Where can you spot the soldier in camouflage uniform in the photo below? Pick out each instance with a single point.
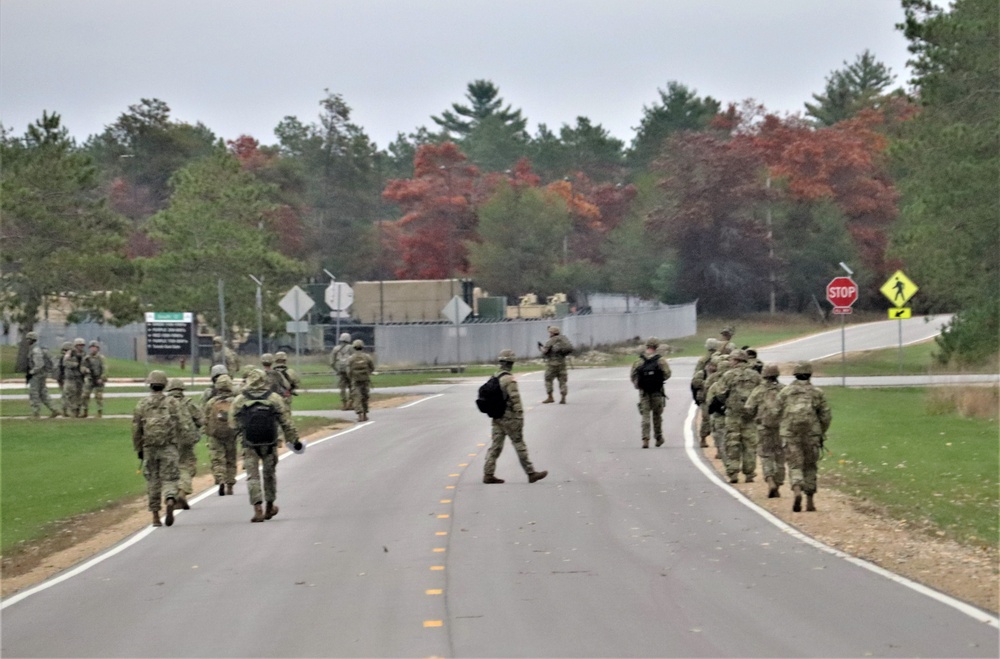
(805, 418)
(73, 373)
(291, 377)
(511, 424)
(187, 462)
(276, 380)
(698, 390)
(257, 459)
(555, 351)
(67, 347)
(716, 409)
(652, 399)
(741, 436)
(157, 423)
(725, 343)
(38, 392)
(95, 376)
(762, 405)
(339, 357)
(221, 438)
(223, 354)
(360, 367)
(217, 371)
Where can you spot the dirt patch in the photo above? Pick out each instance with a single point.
(858, 528)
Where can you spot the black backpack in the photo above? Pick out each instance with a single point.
(260, 428)
(650, 376)
(492, 401)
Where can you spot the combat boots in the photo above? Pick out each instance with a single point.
(229, 488)
(749, 478)
(810, 506)
(550, 399)
(490, 479)
(156, 518)
(183, 502)
(100, 413)
(271, 510)
(258, 513)
(537, 476)
(562, 400)
(659, 441)
(645, 442)
(222, 489)
(83, 414)
(797, 504)
(169, 518)
(772, 489)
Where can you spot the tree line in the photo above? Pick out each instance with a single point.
(733, 205)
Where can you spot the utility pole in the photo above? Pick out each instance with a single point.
(260, 315)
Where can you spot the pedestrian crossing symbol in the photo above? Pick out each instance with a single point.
(899, 313)
(899, 289)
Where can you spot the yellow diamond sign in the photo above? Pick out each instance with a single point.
(899, 289)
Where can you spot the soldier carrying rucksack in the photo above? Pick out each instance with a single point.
(157, 422)
(221, 438)
(763, 406)
(648, 375)
(360, 367)
(805, 418)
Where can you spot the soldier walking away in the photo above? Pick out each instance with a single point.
(698, 390)
(648, 374)
(510, 424)
(360, 367)
(276, 381)
(733, 389)
(339, 356)
(217, 372)
(716, 368)
(726, 344)
(95, 376)
(291, 377)
(73, 378)
(186, 460)
(763, 406)
(223, 354)
(555, 351)
(805, 418)
(255, 415)
(157, 423)
(39, 368)
(221, 438)
(67, 346)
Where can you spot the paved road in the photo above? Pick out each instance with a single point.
(388, 544)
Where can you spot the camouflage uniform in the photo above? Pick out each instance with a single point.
(762, 405)
(67, 347)
(221, 438)
(511, 424)
(38, 392)
(206, 396)
(157, 423)
(95, 376)
(73, 383)
(717, 418)
(741, 436)
(291, 379)
(360, 366)
(698, 390)
(187, 461)
(555, 351)
(725, 345)
(339, 357)
(651, 404)
(805, 418)
(223, 354)
(257, 459)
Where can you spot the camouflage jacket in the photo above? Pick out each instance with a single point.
(556, 349)
(72, 365)
(361, 366)
(802, 404)
(281, 412)
(193, 412)
(339, 356)
(229, 358)
(36, 361)
(734, 388)
(291, 377)
(511, 394)
(762, 405)
(95, 369)
(158, 420)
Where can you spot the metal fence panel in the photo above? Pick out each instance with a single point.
(128, 342)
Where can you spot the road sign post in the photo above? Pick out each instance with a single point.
(296, 304)
(842, 293)
(339, 297)
(456, 311)
(899, 289)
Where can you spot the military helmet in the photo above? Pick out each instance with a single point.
(267, 359)
(255, 379)
(219, 369)
(156, 377)
(78, 341)
(224, 383)
(358, 344)
(31, 336)
(281, 356)
(803, 368)
(738, 355)
(553, 330)
(727, 332)
(507, 356)
(95, 344)
(217, 339)
(345, 338)
(770, 371)
(652, 342)
(175, 384)
(67, 345)
(711, 344)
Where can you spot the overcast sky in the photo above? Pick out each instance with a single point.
(240, 66)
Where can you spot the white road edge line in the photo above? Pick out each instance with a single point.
(692, 454)
(417, 402)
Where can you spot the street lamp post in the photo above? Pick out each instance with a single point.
(260, 314)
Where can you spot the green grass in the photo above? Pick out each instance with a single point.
(935, 471)
(117, 368)
(753, 330)
(918, 359)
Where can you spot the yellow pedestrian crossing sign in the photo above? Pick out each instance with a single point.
(899, 289)
(900, 313)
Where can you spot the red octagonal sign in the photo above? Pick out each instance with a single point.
(842, 292)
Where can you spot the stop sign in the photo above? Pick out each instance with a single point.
(842, 292)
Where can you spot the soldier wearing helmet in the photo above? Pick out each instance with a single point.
(698, 389)
(648, 374)
(290, 385)
(733, 389)
(339, 356)
(40, 368)
(762, 406)
(72, 366)
(360, 368)
(716, 368)
(223, 354)
(725, 343)
(221, 438)
(186, 460)
(157, 423)
(805, 419)
(276, 380)
(65, 349)
(217, 372)
(511, 424)
(95, 376)
(555, 351)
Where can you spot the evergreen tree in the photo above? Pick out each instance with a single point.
(485, 101)
(861, 84)
(679, 109)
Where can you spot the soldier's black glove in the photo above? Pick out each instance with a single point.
(140, 454)
(298, 445)
(27, 378)
(540, 346)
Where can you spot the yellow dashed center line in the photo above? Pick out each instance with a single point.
(453, 475)
(463, 464)
(441, 533)
(437, 568)
(444, 516)
(449, 487)
(433, 623)
(480, 444)
(433, 591)
(445, 500)
(438, 550)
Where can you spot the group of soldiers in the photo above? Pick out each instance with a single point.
(354, 368)
(748, 413)
(81, 371)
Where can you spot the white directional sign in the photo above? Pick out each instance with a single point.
(338, 296)
(296, 303)
(456, 310)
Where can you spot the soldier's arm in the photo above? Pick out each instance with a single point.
(666, 368)
(197, 416)
(753, 401)
(823, 411)
(137, 428)
(234, 408)
(513, 395)
(285, 418)
(634, 373)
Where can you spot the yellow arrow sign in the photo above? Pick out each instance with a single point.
(900, 313)
(899, 289)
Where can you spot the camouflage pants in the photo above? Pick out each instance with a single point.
(741, 446)
(38, 394)
(772, 455)
(98, 391)
(513, 428)
(253, 463)
(651, 406)
(802, 454)
(344, 382)
(73, 396)
(555, 372)
(705, 428)
(718, 422)
(222, 453)
(359, 396)
(187, 464)
(159, 466)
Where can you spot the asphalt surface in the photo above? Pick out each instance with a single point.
(389, 544)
